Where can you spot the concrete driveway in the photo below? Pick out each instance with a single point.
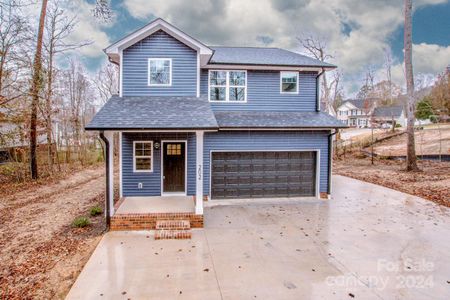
(368, 242)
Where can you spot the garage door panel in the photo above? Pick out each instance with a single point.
(262, 174)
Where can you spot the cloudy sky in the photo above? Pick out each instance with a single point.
(357, 31)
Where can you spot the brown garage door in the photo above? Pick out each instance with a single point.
(262, 174)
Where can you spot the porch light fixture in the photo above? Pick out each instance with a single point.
(156, 145)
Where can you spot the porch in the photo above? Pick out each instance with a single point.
(155, 205)
(143, 213)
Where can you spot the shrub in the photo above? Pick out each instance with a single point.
(398, 125)
(81, 222)
(95, 211)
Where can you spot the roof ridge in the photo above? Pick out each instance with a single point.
(258, 47)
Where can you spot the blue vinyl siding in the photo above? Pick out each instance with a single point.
(152, 181)
(270, 141)
(159, 45)
(263, 93)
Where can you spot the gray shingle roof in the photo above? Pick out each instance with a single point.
(269, 119)
(154, 113)
(363, 103)
(263, 56)
(388, 111)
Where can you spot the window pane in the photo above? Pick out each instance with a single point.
(289, 82)
(138, 149)
(218, 78)
(143, 163)
(159, 72)
(289, 87)
(237, 78)
(147, 146)
(143, 149)
(237, 94)
(217, 93)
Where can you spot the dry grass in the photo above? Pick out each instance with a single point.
(432, 182)
(430, 141)
(41, 254)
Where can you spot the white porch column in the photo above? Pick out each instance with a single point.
(110, 136)
(199, 173)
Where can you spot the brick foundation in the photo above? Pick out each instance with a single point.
(323, 195)
(148, 221)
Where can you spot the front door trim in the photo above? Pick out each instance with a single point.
(162, 168)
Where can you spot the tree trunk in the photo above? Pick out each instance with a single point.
(411, 160)
(35, 88)
(2, 64)
(48, 105)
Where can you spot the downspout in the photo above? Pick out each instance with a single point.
(330, 153)
(105, 140)
(318, 89)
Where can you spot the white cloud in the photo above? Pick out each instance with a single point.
(88, 28)
(429, 58)
(235, 22)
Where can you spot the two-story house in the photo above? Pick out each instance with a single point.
(200, 123)
(357, 112)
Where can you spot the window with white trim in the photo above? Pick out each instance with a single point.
(227, 86)
(288, 82)
(159, 71)
(143, 156)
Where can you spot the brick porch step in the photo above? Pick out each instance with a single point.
(173, 224)
(164, 234)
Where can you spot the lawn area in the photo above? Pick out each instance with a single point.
(428, 141)
(432, 182)
(41, 253)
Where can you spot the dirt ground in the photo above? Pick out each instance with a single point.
(427, 142)
(432, 182)
(41, 254)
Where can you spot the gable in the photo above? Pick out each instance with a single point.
(347, 106)
(114, 50)
(159, 45)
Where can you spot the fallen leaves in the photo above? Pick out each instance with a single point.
(40, 254)
(432, 183)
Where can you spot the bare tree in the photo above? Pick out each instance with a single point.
(77, 91)
(58, 28)
(103, 11)
(14, 35)
(337, 86)
(411, 159)
(106, 81)
(317, 48)
(388, 67)
(34, 91)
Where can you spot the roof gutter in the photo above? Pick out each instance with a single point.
(330, 156)
(318, 89)
(107, 162)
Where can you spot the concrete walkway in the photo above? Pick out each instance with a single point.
(368, 242)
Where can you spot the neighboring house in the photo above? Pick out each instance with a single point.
(387, 115)
(356, 113)
(214, 123)
(13, 137)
